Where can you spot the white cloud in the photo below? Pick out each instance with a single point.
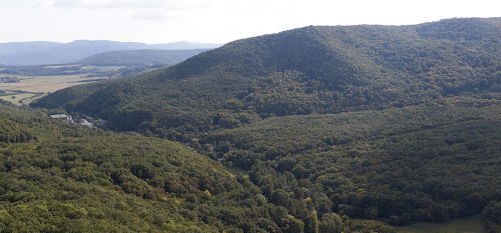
(157, 14)
(9, 4)
(117, 4)
(106, 3)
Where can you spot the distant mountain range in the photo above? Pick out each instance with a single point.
(43, 53)
(144, 57)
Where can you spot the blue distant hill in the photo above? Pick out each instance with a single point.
(43, 53)
(144, 57)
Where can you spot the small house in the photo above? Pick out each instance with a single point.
(61, 117)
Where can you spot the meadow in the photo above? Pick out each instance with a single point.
(20, 98)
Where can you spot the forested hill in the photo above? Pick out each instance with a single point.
(307, 70)
(140, 57)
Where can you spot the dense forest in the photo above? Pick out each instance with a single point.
(396, 165)
(70, 178)
(317, 129)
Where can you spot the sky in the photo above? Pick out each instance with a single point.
(212, 21)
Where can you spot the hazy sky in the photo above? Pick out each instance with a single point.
(219, 21)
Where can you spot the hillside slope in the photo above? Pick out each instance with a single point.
(140, 57)
(302, 71)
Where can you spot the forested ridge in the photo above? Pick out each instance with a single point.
(334, 129)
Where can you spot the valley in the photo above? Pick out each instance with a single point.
(21, 85)
(319, 129)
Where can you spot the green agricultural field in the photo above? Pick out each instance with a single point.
(19, 98)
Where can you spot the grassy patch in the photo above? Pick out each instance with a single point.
(19, 99)
(471, 224)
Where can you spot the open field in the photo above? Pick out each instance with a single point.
(36, 81)
(45, 84)
(471, 224)
(30, 88)
(17, 98)
(20, 98)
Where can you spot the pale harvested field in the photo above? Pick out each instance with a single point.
(35, 87)
(45, 84)
(60, 66)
